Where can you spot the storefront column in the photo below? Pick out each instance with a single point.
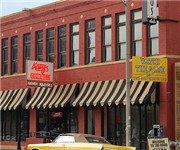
(98, 121)
(166, 115)
(81, 120)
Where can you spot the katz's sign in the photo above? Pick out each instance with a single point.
(39, 71)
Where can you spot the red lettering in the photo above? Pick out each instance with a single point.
(38, 76)
(40, 67)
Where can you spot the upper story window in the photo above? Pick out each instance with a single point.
(5, 56)
(153, 39)
(137, 33)
(107, 39)
(50, 45)
(62, 46)
(74, 44)
(39, 45)
(14, 52)
(27, 48)
(121, 36)
(90, 41)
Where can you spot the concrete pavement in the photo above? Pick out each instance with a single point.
(3, 147)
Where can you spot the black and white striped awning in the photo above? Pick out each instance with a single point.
(11, 99)
(113, 92)
(57, 96)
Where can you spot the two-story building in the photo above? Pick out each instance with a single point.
(86, 42)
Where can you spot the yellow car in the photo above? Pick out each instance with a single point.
(71, 141)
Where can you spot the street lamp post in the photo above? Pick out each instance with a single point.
(128, 113)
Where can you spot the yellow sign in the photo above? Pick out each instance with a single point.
(149, 69)
(158, 144)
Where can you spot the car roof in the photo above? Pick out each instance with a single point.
(82, 137)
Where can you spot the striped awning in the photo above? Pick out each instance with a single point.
(11, 99)
(57, 96)
(113, 92)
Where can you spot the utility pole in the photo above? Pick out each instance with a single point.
(128, 108)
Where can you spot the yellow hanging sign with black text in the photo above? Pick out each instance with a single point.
(149, 69)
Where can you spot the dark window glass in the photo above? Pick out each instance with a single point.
(4, 56)
(14, 49)
(74, 44)
(107, 39)
(90, 123)
(121, 36)
(27, 48)
(137, 33)
(10, 122)
(50, 45)
(62, 47)
(39, 45)
(90, 41)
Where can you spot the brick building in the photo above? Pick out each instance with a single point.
(86, 41)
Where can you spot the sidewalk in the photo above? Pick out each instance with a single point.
(3, 147)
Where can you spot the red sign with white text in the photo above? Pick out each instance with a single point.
(39, 71)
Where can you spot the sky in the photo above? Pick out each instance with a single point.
(12, 6)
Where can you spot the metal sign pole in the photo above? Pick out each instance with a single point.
(128, 114)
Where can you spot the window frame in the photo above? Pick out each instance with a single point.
(151, 51)
(50, 48)
(90, 49)
(73, 34)
(61, 53)
(4, 56)
(26, 49)
(120, 24)
(14, 61)
(135, 41)
(39, 49)
(104, 45)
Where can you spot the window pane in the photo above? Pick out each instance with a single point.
(107, 37)
(14, 40)
(107, 21)
(137, 15)
(50, 46)
(5, 42)
(5, 54)
(92, 55)
(51, 58)
(27, 51)
(15, 53)
(62, 44)
(62, 30)
(75, 28)
(63, 60)
(122, 34)
(76, 57)
(91, 39)
(138, 48)
(108, 53)
(138, 31)
(90, 121)
(123, 51)
(154, 31)
(75, 42)
(122, 18)
(90, 24)
(155, 46)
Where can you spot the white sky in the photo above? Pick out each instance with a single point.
(12, 6)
